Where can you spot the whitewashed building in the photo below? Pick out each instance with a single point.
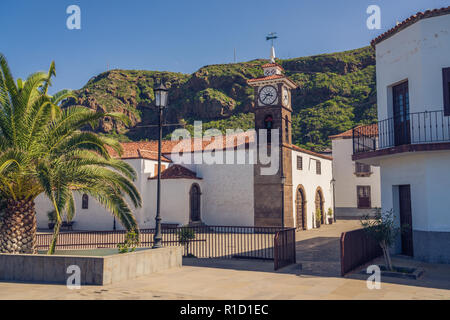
(413, 145)
(226, 194)
(357, 186)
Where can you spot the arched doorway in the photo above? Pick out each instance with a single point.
(300, 204)
(319, 204)
(195, 203)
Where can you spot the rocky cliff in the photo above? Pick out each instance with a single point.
(336, 91)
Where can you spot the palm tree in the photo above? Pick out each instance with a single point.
(48, 149)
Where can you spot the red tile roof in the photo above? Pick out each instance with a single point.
(268, 65)
(176, 171)
(274, 76)
(297, 148)
(411, 20)
(372, 129)
(149, 149)
(138, 150)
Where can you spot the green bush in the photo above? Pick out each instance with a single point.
(130, 243)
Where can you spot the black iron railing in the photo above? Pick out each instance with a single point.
(284, 248)
(411, 128)
(198, 241)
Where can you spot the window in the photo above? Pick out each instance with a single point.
(299, 163)
(195, 203)
(84, 201)
(268, 125)
(446, 87)
(318, 167)
(363, 195)
(362, 169)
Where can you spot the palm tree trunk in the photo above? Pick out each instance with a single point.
(18, 228)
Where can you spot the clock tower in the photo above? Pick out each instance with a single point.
(273, 195)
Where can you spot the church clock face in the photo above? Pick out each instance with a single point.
(268, 95)
(285, 96)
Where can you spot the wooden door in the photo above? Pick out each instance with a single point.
(195, 203)
(406, 219)
(300, 207)
(402, 134)
(363, 194)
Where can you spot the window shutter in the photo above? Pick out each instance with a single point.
(318, 167)
(446, 87)
(299, 163)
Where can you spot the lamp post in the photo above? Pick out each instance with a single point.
(333, 182)
(161, 94)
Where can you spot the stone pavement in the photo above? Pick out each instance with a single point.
(250, 279)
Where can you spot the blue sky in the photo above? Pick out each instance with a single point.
(182, 36)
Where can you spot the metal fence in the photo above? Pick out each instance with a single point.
(410, 128)
(284, 248)
(357, 248)
(199, 241)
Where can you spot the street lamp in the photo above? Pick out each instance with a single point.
(161, 94)
(333, 183)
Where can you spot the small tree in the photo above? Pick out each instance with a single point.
(318, 217)
(185, 235)
(382, 229)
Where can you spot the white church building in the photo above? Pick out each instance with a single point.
(233, 194)
(412, 146)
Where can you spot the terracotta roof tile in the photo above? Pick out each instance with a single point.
(138, 150)
(372, 129)
(176, 171)
(272, 77)
(268, 65)
(411, 20)
(149, 149)
(297, 148)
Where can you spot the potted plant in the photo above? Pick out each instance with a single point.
(51, 215)
(330, 216)
(318, 217)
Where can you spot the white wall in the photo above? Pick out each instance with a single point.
(174, 201)
(96, 217)
(227, 197)
(417, 54)
(346, 180)
(429, 177)
(310, 181)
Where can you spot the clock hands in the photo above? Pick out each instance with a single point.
(267, 95)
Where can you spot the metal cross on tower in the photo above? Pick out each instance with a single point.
(272, 36)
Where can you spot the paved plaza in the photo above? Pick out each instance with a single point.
(317, 278)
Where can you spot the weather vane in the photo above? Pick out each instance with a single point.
(272, 36)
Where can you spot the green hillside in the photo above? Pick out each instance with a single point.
(336, 92)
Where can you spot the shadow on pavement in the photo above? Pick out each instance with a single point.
(435, 275)
(241, 264)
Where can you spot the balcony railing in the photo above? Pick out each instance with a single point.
(411, 128)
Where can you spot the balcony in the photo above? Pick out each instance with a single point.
(419, 131)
